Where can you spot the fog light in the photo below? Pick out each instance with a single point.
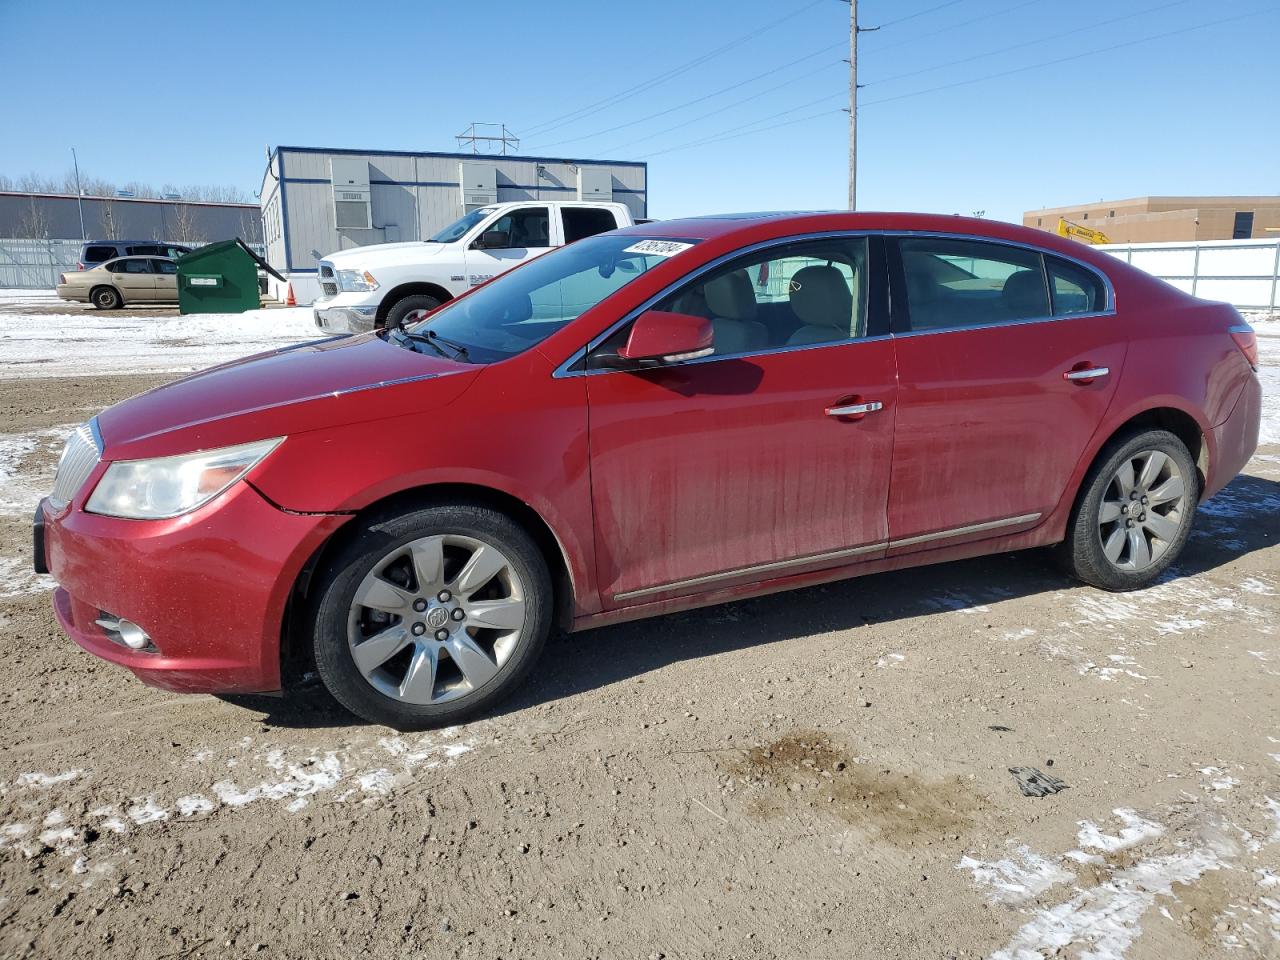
(125, 632)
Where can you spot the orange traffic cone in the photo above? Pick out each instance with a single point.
(290, 300)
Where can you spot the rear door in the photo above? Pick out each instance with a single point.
(528, 232)
(767, 459)
(166, 278)
(134, 278)
(994, 411)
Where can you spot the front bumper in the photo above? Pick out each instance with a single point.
(210, 588)
(353, 319)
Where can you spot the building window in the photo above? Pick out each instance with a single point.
(1111, 213)
(1085, 217)
(1243, 228)
(1039, 221)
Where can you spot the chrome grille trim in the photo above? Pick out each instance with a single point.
(81, 454)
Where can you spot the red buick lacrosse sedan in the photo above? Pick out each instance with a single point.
(664, 417)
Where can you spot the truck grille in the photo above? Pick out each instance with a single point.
(79, 457)
(327, 286)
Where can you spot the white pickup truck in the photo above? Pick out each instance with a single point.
(367, 288)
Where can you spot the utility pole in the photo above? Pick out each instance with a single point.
(79, 194)
(853, 104)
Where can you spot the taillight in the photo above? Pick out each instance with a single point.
(1247, 341)
(62, 278)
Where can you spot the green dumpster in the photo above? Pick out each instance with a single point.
(220, 278)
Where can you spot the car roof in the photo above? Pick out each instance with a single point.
(766, 225)
(121, 243)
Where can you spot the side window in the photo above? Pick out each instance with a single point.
(1074, 289)
(803, 293)
(526, 227)
(581, 222)
(144, 250)
(966, 283)
(164, 266)
(98, 254)
(136, 266)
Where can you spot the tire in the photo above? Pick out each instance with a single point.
(406, 309)
(1128, 501)
(398, 584)
(106, 298)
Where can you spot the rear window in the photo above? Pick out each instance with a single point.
(98, 254)
(582, 222)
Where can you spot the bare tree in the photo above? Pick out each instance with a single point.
(186, 228)
(110, 227)
(251, 226)
(34, 222)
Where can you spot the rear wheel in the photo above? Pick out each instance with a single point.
(106, 298)
(1134, 515)
(410, 310)
(431, 616)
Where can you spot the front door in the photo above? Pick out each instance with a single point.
(995, 349)
(527, 233)
(166, 277)
(134, 279)
(770, 457)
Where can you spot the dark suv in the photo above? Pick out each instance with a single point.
(96, 252)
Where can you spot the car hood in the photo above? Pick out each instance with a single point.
(311, 386)
(370, 256)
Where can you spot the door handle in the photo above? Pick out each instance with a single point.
(1084, 373)
(855, 409)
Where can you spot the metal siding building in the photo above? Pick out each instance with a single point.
(126, 218)
(410, 196)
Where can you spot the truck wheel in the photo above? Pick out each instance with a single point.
(410, 310)
(1134, 512)
(106, 298)
(430, 616)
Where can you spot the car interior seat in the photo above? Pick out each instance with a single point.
(1024, 295)
(731, 304)
(823, 303)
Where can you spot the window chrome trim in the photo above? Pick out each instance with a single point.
(563, 370)
(712, 578)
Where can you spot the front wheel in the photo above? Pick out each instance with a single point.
(409, 310)
(106, 298)
(430, 616)
(1134, 514)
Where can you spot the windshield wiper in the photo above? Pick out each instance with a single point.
(433, 340)
(403, 337)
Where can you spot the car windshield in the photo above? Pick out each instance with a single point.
(522, 308)
(459, 227)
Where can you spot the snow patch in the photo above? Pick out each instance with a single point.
(1018, 878)
(1136, 830)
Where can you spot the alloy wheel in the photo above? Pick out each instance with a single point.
(1142, 510)
(436, 619)
(413, 316)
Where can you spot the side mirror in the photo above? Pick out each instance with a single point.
(494, 240)
(661, 337)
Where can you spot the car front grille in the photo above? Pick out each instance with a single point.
(329, 288)
(79, 457)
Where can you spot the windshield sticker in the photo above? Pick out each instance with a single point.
(659, 248)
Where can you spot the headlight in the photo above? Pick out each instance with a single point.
(169, 486)
(356, 281)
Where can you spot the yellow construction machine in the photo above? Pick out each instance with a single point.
(1068, 228)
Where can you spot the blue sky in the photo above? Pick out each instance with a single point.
(193, 92)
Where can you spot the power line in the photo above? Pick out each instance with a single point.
(878, 47)
(1067, 59)
(1028, 43)
(728, 106)
(920, 13)
(745, 133)
(578, 114)
(709, 96)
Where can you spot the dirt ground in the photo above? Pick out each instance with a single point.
(816, 774)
